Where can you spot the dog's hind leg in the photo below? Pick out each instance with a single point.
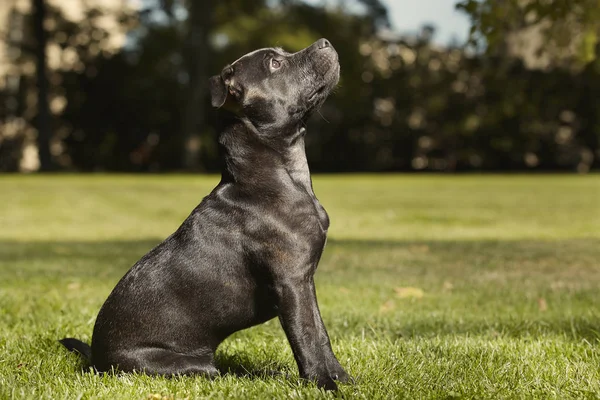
(160, 361)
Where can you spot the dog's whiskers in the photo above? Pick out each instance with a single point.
(324, 119)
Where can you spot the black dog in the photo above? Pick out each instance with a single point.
(249, 251)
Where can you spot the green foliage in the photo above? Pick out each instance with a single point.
(403, 103)
(431, 287)
(570, 27)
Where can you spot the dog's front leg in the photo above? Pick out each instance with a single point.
(301, 321)
(336, 371)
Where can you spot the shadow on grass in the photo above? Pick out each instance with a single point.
(38, 256)
(568, 328)
(244, 365)
(240, 364)
(226, 364)
(17, 250)
(39, 265)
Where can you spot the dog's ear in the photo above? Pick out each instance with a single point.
(218, 91)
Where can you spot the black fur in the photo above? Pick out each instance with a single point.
(249, 251)
(76, 345)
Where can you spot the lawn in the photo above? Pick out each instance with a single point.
(431, 286)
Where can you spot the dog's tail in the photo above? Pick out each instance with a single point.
(78, 346)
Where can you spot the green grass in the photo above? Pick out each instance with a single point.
(430, 286)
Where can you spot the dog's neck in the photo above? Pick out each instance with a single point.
(257, 160)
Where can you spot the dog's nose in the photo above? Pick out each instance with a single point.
(323, 43)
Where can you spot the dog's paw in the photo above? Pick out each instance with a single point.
(323, 380)
(338, 373)
(211, 372)
(342, 377)
(327, 383)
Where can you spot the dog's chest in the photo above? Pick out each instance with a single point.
(306, 203)
(322, 216)
(309, 219)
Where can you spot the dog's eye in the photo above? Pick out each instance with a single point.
(234, 92)
(275, 64)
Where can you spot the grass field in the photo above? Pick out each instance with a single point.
(430, 286)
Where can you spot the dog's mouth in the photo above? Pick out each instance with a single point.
(317, 93)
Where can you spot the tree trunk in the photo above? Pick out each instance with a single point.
(196, 54)
(42, 120)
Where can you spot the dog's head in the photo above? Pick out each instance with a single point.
(275, 89)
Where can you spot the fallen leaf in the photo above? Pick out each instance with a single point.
(158, 396)
(448, 286)
(542, 305)
(62, 250)
(409, 292)
(387, 306)
(423, 248)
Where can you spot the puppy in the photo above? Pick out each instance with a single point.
(249, 251)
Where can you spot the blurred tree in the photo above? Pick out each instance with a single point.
(196, 53)
(50, 41)
(125, 91)
(557, 32)
(42, 120)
